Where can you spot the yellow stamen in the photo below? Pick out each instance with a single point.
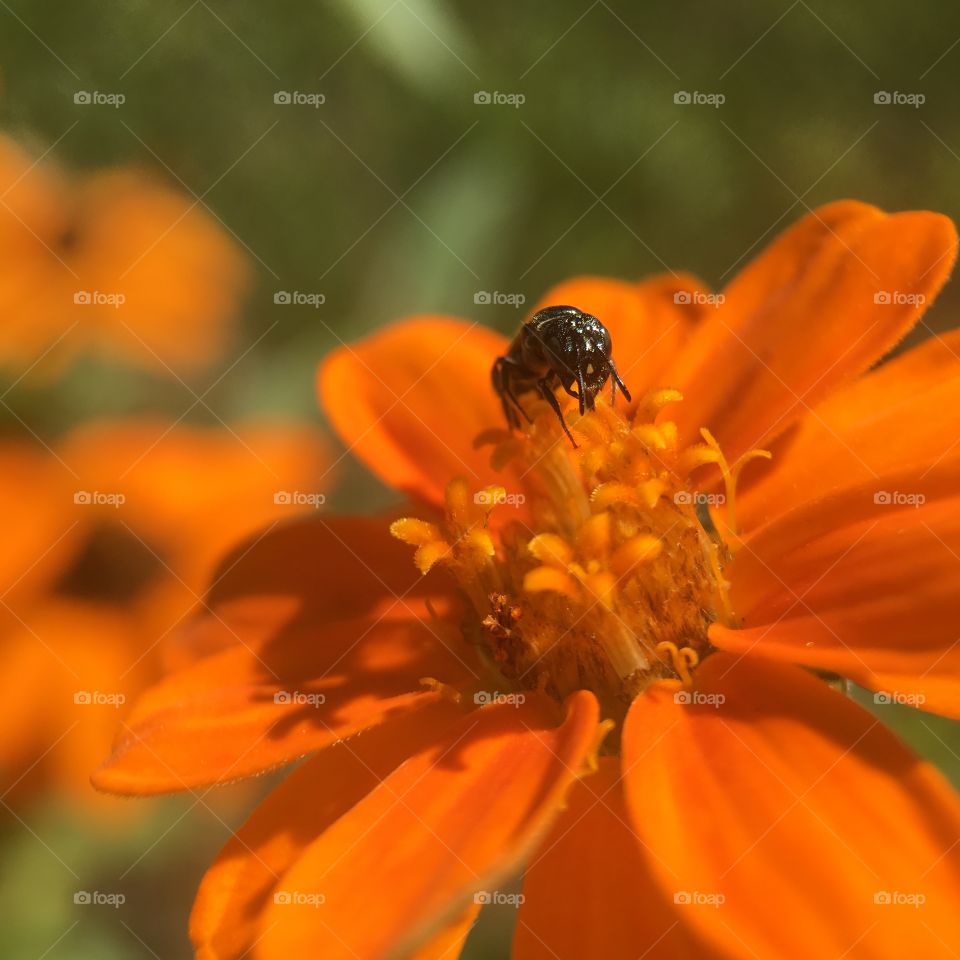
(426, 537)
(651, 435)
(550, 549)
(594, 536)
(683, 659)
(616, 586)
(603, 586)
(415, 532)
(640, 549)
(551, 579)
(591, 762)
(731, 475)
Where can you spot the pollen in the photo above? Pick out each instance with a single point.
(610, 573)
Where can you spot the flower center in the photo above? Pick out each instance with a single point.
(612, 571)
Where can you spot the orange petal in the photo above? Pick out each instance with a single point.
(239, 884)
(68, 668)
(36, 291)
(34, 193)
(846, 440)
(116, 259)
(311, 571)
(649, 322)
(42, 530)
(266, 701)
(192, 492)
(410, 399)
(182, 277)
(869, 590)
(326, 564)
(405, 860)
(775, 347)
(784, 817)
(588, 890)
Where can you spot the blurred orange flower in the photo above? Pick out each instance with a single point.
(112, 261)
(110, 541)
(594, 677)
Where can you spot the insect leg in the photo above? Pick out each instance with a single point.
(568, 387)
(502, 383)
(615, 382)
(546, 391)
(579, 392)
(517, 404)
(513, 421)
(498, 376)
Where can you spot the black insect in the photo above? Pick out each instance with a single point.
(557, 346)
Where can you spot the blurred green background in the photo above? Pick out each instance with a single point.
(400, 194)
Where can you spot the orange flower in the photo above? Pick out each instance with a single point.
(595, 678)
(114, 261)
(110, 541)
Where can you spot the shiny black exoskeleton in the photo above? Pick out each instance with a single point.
(558, 346)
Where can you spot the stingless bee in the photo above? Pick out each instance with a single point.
(558, 346)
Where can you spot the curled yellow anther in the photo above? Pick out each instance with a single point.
(731, 475)
(683, 660)
(697, 455)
